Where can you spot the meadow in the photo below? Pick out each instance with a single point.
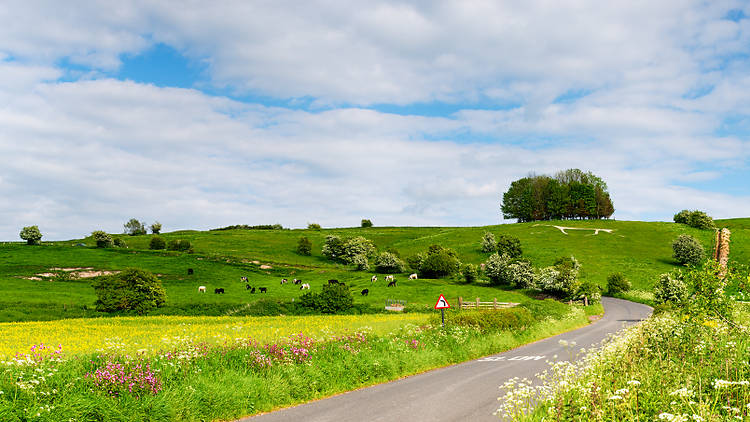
(640, 250)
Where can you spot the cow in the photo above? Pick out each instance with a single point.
(284, 281)
(365, 292)
(305, 286)
(413, 276)
(295, 281)
(190, 271)
(247, 287)
(332, 282)
(252, 291)
(263, 289)
(374, 279)
(219, 290)
(201, 289)
(392, 283)
(389, 278)
(243, 279)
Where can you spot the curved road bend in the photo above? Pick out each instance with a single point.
(462, 392)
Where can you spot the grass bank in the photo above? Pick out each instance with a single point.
(200, 381)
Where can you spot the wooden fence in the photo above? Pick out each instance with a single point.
(477, 304)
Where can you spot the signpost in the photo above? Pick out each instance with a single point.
(442, 304)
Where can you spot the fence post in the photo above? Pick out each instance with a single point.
(585, 301)
(477, 303)
(495, 304)
(460, 302)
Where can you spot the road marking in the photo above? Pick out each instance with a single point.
(514, 358)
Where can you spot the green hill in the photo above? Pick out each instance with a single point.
(640, 250)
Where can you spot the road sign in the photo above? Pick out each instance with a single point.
(442, 303)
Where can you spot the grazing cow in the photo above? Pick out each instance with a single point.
(252, 291)
(201, 289)
(295, 281)
(219, 290)
(190, 271)
(413, 276)
(305, 286)
(392, 283)
(365, 292)
(247, 287)
(332, 282)
(244, 279)
(284, 281)
(263, 289)
(374, 279)
(389, 278)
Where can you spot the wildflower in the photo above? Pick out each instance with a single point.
(615, 397)
(634, 383)
(622, 391)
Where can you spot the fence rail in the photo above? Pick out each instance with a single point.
(477, 304)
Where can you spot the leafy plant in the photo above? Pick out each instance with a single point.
(132, 289)
(134, 227)
(509, 245)
(120, 243)
(157, 243)
(102, 239)
(156, 227)
(388, 263)
(617, 283)
(366, 223)
(687, 250)
(332, 299)
(360, 262)
(313, 226)
(497, 269)
(488, 243)
(304, 246)
(470, 272)
(439, 262)
(31, 235)
(670, 288)
(176, 245)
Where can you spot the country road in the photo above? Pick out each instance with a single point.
(463, 392)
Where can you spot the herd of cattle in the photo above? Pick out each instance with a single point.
(303, 286)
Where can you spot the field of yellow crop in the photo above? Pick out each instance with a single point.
(151, 334)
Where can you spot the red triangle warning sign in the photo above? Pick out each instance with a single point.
(442, 303)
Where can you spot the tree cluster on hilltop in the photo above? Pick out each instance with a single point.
(570, 194)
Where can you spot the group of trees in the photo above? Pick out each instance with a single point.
(697, 219)
(136, 228)
(570, 194)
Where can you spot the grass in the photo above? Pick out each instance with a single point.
(639, 250)
(189, 381)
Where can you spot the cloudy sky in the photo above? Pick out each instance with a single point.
(206, 114)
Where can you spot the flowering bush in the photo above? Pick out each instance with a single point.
(687, 250)
(31, 235)
(497, 269)
(488, 244)
(617, 283)
(670, 288)
(389, 263)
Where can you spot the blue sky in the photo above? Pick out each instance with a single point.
(403, 113)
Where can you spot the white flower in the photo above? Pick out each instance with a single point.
(634, 382)
(615, 397)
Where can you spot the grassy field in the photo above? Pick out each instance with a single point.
(639, 250)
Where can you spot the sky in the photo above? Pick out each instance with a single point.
(206, 114)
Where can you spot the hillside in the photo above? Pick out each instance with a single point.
(640, 250)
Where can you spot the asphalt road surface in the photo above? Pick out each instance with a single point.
(463, 392)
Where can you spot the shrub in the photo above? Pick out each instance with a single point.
(102, 239)
(176, 245)
(357, 246)
(521, 275)
(313, 226)
(360, 262)
(488, 244)
(701, 220)
(120, 243)
(687, 250)
(332, 299)
(415, 261)
(31, 235)
(157, 243)
(366, 223)
(708, 284)
(333, 248)
(561, 279)
(670, 288)
(470, 272)
(509, 245)
(682, 217)
(497, 269)
(389, 263)
(132, 289)
(134, 227)
(590, 290)
(439, 262)
(304, 246)
(156, 227)
(617, 283)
